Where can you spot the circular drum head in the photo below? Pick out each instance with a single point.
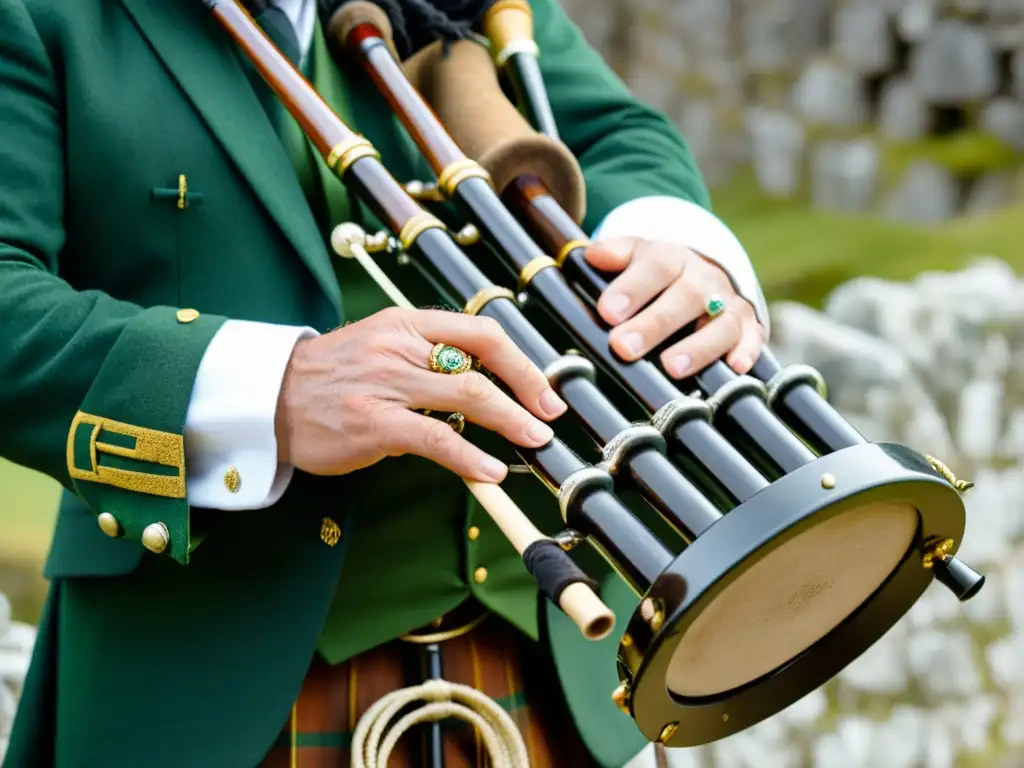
(783, 592)
(790, 598)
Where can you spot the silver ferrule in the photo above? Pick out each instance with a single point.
(790, 376)
(529, 47)
(741, 386)
(568, 539)
(569, 367)
(675, 412)
(617, 451)
(582, 481)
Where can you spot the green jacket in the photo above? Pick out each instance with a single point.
(193, 657)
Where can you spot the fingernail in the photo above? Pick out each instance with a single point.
(540, 432)
(743, 364)
(618, 247)
(634, 342)
(493, 468)
(552, 404)
(679, 366)
(617, 304)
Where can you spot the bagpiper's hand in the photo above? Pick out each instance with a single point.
(349, 398)
(664, 287)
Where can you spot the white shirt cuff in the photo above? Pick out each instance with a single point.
(674, 220)
(230, 421)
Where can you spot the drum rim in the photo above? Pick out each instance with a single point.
(864, 474)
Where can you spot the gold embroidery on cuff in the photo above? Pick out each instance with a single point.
(154, 447)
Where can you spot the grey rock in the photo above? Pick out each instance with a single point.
(828, 94)
(916, 19)
(861, 38)
(902, 113)
(990, 193)
(1004, 119)
(844, 175)
(926, 193)
(955, 64)
(777, 144)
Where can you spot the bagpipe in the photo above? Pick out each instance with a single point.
(796, 543)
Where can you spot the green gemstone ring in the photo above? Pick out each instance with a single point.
(715, 305)
(449, 360)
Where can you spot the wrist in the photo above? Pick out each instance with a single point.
(283, 416)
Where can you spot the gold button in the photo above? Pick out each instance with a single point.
(109, 525)
(330, 532)
(156, 537)
(232, 480)
(480, 575)
(474, 533)
(187, 315)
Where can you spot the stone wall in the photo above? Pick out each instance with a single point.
(909, 109)
(16, 642)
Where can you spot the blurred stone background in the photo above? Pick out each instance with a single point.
(906, 109)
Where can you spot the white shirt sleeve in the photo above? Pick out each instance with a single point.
(229, 428)
(675, 220)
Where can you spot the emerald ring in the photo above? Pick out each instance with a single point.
(449, 360)
(715, 305)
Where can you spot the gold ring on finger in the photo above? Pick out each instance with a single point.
(450, 360)
(715, 305)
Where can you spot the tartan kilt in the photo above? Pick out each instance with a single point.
(494, 657)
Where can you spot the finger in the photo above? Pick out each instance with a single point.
(481, 402)
(654, 267)
(483, 338)
(742, 357)
(697, 351)
(403, 432)
(613, 254)
(679, 305)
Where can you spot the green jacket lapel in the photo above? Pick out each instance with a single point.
(203, 59)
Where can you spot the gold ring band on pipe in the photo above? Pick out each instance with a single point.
(416, 226)
(456, 173)
(533, 267)
(345, 153)
(485, 296)
(528, 47)
(568, 248)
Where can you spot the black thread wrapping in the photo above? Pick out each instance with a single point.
(553, 569)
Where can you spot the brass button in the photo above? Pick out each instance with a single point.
(480, 575)
(330, 532)
(232, 480)
(109, 525)
(474, 533)
(187, 315)
(156, 537)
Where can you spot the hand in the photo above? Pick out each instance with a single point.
(664, 287)
(347, 398)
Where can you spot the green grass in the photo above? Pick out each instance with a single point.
(28, 506)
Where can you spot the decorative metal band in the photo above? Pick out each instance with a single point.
(345, 153)
(424, 192)
(456, 173)
(533, 267)
(568, 248)
(485, 296)
(449, 634)
(675, 412)
(738, 387)
(790, 376)
(581, 481)
(568, 539)
(569, 367)
(618, 449)
(529, 47)
(416, 226)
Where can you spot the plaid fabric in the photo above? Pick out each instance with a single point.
(494, 658)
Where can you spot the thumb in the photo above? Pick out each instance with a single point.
(613, 254)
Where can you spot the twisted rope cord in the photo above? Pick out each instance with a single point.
(501, 737)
